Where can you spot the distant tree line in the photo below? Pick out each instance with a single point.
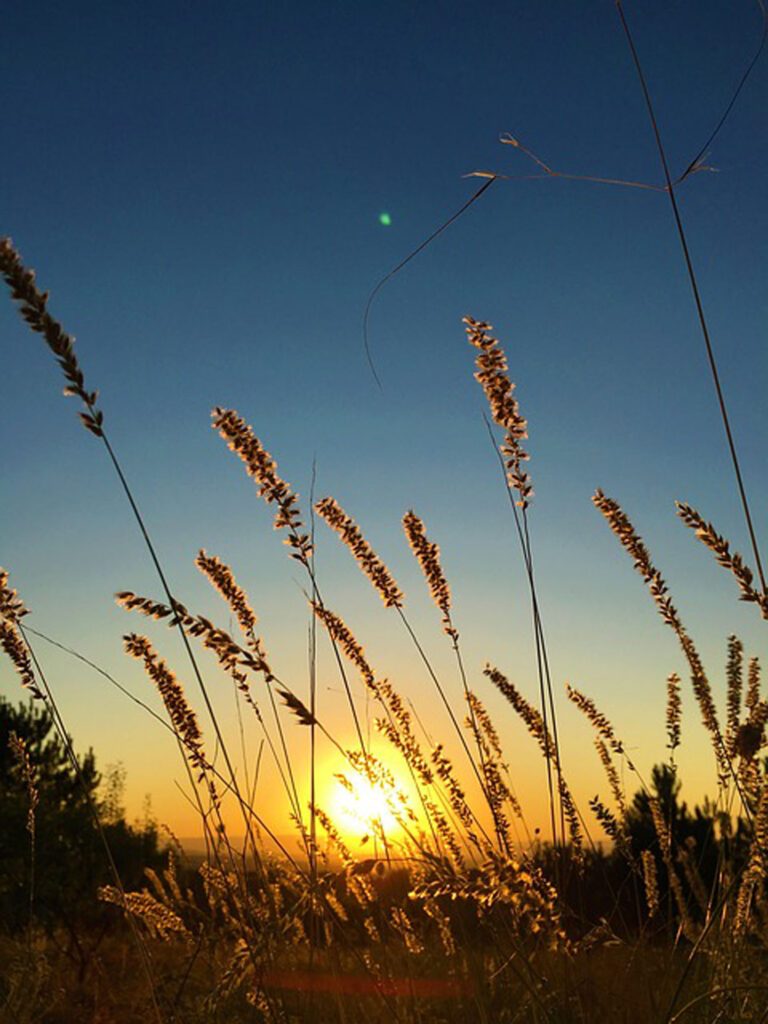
(52, 858)
(705, 850)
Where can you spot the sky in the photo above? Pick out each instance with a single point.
(200, 189)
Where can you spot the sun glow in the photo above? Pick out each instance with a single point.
(362, 806)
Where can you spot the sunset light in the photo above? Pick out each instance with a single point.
(383, 612)
(361, 806)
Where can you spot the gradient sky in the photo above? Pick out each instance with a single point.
(200, 189)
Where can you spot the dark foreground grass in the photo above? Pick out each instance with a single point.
(616, 984)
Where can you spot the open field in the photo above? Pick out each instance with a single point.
(385, 824)
(448, 912)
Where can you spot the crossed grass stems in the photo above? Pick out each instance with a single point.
(456, 834)
(449, 837)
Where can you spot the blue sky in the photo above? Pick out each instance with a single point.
(200, 189)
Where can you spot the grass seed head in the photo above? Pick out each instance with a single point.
(33, 306)
(350, 534)
(427, 554)
(262, 468)
(499, 390)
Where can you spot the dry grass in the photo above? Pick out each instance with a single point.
(455, 917)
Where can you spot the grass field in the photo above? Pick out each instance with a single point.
(452, 913)
(422, 890)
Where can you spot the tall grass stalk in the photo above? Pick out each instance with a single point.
(692, 278)
(33, 305)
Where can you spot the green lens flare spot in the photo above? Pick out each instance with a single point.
(385, 219)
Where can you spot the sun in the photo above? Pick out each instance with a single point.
(359, 806)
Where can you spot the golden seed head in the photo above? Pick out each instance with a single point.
(34, 309)
(350, 534)
(427, 554)
(182, 716)
(719, 546)
(674, 711)
(650, 879)
(620, 524)
(499, 390)
(262, 468)
(11, 640)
